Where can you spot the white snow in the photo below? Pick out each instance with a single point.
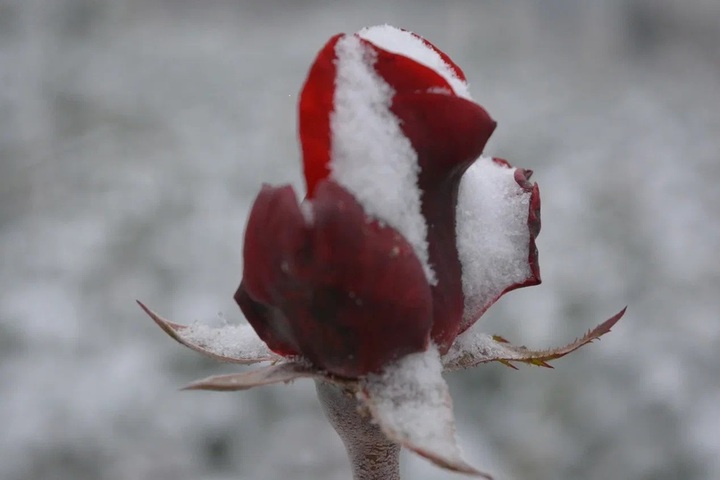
(405, 43)
(492, 234)
(235, 341)
(472, 347)
(411, 402)
(371, 157)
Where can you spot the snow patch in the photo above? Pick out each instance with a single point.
(473, 347)
(492, 234)
(411, 402)
(371, 157)
(233, 341)
(405, 43)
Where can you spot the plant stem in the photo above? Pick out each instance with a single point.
(372, 455)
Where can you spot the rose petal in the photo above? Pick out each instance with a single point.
(498, 218)
(472, 348)
(231, 343)
(445, 131)
(411, 403)
(316, 105)
(352, 299)
(280, 373)
(275, 237)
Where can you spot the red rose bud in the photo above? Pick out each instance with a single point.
(388, 250)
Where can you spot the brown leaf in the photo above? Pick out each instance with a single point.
(271, 374)
(471, 349)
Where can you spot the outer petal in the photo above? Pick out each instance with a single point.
(411, 403)
(275, 237)
(351, 299)
(316, 104)
(498, 219)
(445, 131)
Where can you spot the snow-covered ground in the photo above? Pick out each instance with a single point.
(134, 134)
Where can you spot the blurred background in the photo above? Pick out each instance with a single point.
(135, 133)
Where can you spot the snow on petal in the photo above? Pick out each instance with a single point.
(411, 403)
(371, 157)
(406, 43)
(493, 234)
(229, 343)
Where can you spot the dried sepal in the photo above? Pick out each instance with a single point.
(472, 348)
(279, 373)
(229, 344)
(411, 403)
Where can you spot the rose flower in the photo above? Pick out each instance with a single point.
(406, 236)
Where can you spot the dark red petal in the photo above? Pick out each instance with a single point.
(439, 208)
(446, 131)
(270, 325)
(275, 234)
(347, 293)
(370, 303)
(276, 231)
(316, 104)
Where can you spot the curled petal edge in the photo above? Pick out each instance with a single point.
(259, 352)
(485, 226)
(472, 349)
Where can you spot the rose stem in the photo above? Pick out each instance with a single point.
(372, 455)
